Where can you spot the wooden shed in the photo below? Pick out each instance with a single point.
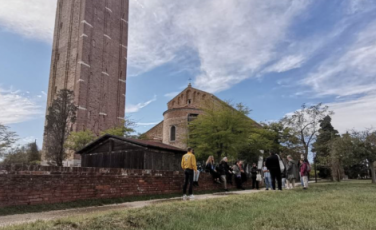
(118, 152)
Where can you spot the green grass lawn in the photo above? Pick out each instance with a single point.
(346, 205)
(6, 211)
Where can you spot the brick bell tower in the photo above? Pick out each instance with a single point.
(89, 57)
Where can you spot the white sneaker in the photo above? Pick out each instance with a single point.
(184, 197)
(191, 197)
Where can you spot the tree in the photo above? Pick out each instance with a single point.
(78, 140)
(7, 139)
(220, 131)
(321, 147)
(304, 124)
(283, 139)
(60, 118)
(123, 130)
(33, 153)
(16, 155)
(342, 151)
(365, 143)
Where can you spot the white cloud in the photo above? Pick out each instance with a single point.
(135, 108)
(286, 63)
(232, 39)
(171, 95)
(16, 108)
(350, 72)
(356, 114)
(32, 18)
(147, 124)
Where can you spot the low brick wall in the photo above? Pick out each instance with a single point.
(31, 185)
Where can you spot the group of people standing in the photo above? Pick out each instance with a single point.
(276, 172)
(281, 174)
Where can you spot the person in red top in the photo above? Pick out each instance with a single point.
(304, 172)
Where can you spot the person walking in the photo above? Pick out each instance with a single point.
(254, 171)
(267, 178)
(189, 165)
(224, 169)
(210, 168)
(304, 171)
(292, 173)
(237, 171)
(273, 164)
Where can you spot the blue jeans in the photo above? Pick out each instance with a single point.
(268, 183)
(283, 182)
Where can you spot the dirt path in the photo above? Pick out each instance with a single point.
(53, 215)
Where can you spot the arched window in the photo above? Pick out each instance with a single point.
(173, 133)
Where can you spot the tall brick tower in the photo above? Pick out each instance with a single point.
(89, 57)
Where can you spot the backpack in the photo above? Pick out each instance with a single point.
(308, 168)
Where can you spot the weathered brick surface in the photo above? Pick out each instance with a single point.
(155, 133)
(179, 119)
(89, 57)
(189, 102)
(33, 185)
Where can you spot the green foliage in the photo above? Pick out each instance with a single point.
(16, 155)
(7, 139)
(355, 148)
(78, 140)
(323, 206)
(33, 153)
(220, 131)
(321, 147)
(60, 118)
(27, 154)
(326, 133)
(123, 130)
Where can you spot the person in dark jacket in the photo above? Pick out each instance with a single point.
(237, 171)
(210, 168)
(272, 163)
(254, 171)
(225, 172)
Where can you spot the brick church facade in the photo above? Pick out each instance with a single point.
(89, 57)
(182, 109)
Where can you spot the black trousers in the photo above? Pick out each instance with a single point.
(239, 182)
(276, 175)
(255, 183)
(189, 173)
(229, 178)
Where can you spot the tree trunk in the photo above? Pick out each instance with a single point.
(373, 174)
(306, 151)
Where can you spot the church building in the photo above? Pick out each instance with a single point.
(182, 109)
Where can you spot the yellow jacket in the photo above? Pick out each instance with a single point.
(189, 162)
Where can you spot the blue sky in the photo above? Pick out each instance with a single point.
(270, 55)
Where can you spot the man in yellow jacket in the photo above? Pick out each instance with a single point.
(188, 164)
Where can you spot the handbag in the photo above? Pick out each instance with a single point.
(258, 177)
